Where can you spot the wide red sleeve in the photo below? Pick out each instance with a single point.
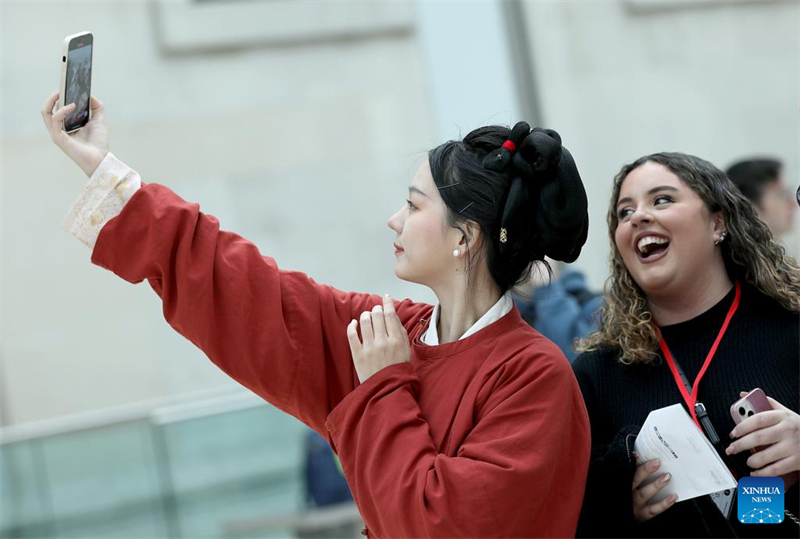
(520, 472)
(278, 333)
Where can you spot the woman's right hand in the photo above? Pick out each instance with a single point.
(642, 494)
(87, 146)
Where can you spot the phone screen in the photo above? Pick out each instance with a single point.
(79, 82)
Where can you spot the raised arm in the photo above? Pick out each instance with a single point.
(278, 333)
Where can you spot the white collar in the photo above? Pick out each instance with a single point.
(498, 311)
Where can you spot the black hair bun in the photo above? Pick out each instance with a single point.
(542, 149)
(543, 176)
(562, 218)
(499, 159)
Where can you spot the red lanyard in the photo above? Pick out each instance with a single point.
(691, 400)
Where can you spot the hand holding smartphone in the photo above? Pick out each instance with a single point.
(780, 432)
(78, 128)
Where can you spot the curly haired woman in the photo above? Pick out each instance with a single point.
(697, 283)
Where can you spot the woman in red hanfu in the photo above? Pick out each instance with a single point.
(454, 420)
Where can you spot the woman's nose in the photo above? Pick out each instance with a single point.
(640, 216)
(395, 221)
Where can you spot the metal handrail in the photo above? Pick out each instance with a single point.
(159, 411)
(155, 416)
(305, 520)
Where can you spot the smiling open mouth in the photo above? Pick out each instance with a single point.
(651, 246)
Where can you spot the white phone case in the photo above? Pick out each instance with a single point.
(62, 88)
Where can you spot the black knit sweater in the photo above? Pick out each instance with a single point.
(760, 349)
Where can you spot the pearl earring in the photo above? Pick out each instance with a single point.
(456, 253)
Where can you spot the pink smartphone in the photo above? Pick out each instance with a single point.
(749, 405)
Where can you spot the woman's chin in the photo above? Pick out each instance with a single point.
(655, 282)
(400, 272)
(403, 274)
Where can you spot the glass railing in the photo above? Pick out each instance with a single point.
(204, 469)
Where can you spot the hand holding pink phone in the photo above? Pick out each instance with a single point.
(773, 432)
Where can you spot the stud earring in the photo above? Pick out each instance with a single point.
(456, 253)
(721, 238)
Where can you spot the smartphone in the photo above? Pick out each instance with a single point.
(748, 406)
(76, 79)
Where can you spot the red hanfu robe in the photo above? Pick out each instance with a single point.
(486, 436)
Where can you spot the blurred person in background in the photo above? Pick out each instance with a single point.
(325, 487)
(562, 308)
(454, 420)
(698, 284)
(763, 182)
(323, 477)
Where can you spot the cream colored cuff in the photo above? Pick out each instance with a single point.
(111, 186)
